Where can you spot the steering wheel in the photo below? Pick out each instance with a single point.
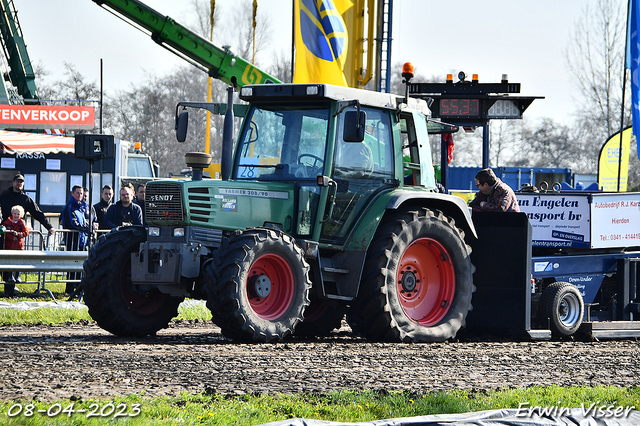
(318, 162)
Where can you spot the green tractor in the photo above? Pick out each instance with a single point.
(314, 215)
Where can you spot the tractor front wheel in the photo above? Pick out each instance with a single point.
(113, 302)
(258, 286)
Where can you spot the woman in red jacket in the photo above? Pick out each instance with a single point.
(15, 233)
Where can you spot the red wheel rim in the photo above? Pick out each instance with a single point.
(426, 282)
(276, 274)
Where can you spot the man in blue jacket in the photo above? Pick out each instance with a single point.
(74, 218)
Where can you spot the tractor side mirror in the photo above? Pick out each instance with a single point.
(182, 123)
(354, 124)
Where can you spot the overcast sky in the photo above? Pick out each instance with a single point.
(525, 39)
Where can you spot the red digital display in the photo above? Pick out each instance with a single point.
(459, 107)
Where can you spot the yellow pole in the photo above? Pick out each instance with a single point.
(255, 11)
(207, 140)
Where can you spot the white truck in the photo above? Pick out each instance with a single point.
(51, 169)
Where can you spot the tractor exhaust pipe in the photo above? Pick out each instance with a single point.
(227, 138)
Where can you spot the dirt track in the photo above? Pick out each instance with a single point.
(82, 360)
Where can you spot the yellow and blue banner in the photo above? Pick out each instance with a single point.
(321, 41)
(609, 162)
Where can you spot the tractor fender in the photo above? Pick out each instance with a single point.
(372, 215)
(450, 205)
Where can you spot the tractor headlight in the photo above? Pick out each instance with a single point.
(178, 232)
(154, 231)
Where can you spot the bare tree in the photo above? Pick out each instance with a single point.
(242, 26)
(203, 24)
(143, 115)
(281, 67)
(596, 59)
(547, 145)
(75, 87)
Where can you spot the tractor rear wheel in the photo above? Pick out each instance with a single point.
(562, 304)
(258, 286)
(417, 281)
(113, 302)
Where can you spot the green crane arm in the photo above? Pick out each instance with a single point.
(21, 73)
(219, 63)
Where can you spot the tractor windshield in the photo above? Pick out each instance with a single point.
(282, 143)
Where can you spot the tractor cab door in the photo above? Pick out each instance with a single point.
(360, 171)
(415, 142)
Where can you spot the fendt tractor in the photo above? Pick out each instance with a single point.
(328, 205)
(312, 215)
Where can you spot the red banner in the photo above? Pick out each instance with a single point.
(47, 117)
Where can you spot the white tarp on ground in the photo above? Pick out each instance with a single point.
(588, 416)
(25, 306)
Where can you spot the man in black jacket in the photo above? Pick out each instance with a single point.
(15, 196)
(141, 189)
(104, 204)
(124, 212)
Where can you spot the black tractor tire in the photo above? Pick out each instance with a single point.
(321, 318)
(258, 286)
(562, 305)
(108, 292)
(418, 280)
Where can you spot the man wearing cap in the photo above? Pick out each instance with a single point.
(15, 196)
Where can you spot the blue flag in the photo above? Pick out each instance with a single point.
(633, 60)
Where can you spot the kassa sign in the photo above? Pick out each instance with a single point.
(47, 117)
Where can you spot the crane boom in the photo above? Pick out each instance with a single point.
(218, 63)
(21, 73)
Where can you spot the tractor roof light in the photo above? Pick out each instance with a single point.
(407, 71)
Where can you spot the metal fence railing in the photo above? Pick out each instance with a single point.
(47, 259)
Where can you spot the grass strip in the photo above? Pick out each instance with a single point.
(341, 406)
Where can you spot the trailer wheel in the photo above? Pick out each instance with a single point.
(321, 318)
(258, 286)
(562, 304)
(417, 281)
(108, 292)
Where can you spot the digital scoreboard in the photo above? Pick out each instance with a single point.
(470, 104)
(449, 108)
(459, 107)
(470, 101)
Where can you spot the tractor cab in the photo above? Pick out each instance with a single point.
(321, 137)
